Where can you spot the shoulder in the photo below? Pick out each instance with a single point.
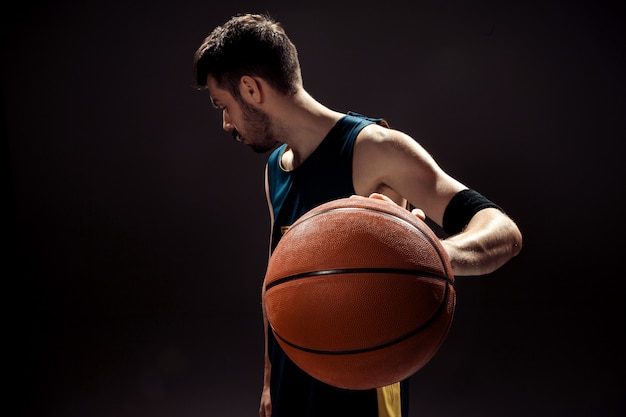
(378, 138)
(393, 153)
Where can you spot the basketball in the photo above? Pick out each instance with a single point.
(359, 293)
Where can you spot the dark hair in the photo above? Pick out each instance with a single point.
(248, 44)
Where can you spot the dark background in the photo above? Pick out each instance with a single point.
(136, 230)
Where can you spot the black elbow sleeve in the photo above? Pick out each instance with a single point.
(461, 208)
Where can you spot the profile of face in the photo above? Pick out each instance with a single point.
(248, 124)
(258, 129)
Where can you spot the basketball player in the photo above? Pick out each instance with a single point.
(252, 73)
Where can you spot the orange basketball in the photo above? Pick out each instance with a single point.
(359, 293)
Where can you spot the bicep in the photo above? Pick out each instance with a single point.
(402, 164)
(270, 208)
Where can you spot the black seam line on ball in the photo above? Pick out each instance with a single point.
(400, 339)
(340, 271)
(310, 216)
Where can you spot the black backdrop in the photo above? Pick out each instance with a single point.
(136, 230)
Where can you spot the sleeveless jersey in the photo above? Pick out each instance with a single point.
(324, 176)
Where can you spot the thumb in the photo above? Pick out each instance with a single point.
(419, 213)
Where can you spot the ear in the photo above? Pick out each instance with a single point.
(251, 89)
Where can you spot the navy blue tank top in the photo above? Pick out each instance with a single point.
(324, 176)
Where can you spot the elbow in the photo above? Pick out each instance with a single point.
(509, 246)
(485, 250)
(516, 240)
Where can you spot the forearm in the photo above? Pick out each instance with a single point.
(488, 241)
(265, 409)
(267, 364)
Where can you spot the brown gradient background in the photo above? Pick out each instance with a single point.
(136, 230)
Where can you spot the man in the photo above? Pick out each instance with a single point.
(252, 73)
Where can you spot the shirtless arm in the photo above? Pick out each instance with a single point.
(265, 409)
(394, 164)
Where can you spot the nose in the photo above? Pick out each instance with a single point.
(226, 123)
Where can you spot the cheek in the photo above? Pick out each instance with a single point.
(236, 118)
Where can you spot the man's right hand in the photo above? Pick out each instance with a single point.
(266, 402)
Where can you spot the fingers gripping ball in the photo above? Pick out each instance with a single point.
(359, 293)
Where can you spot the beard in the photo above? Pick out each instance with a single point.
(260, 136)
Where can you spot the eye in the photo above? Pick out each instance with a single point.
(216, 105)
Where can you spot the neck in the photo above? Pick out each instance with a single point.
(303, 123)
